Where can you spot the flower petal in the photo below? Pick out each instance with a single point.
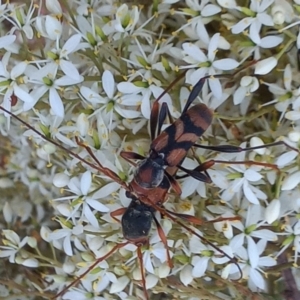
(291, 181)
(186, 275)
(85, 182)
(120, 285)
(272, 211)
(108, 83)
(56, 103)
(264, 66)
(225, 64)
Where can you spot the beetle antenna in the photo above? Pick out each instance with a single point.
(140, 258)
(90, 268)
(189, 229)
(100, 167)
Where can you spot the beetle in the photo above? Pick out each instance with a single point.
(153, 178)
(138, 217)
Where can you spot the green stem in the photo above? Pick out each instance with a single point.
(285, 48)
(25, 291)
(248, 118)
(68, 9)
(278, 185)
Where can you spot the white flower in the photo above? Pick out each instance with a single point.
(109, 87)
(22, 18)
(12, 245)
(267, 42)
(84, 199)
(94, 282)
(286, 95)
(201, 13)
(126, 19)
(45, 81)
(130, 91)
(112, 100)
(248, 85)
(244, 93)
(245, 182)
(147, 60)
(293, 238)
(257, 18)
(93, 34)
(21, 211)
(49, 27)
(207, 64)
(202, 263)
(29, 262)
(80, 294)
(286, 158)
(282, 11)
(59, 57)
(226, 226)
(250, 230)
(254, 263)
(10, 82)
(52, 126)
(63, 237)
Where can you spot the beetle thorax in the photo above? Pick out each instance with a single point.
(150, 172)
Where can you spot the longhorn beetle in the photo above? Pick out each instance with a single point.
(147, 198)
(137, 218)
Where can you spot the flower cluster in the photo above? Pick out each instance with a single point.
(85, 75)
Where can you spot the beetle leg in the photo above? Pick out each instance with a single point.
(117, 213)
(104, 170)
(164, 240)
(131, 155)
(199, 221)
(140, 258)
(174, 183)
(195, 173)
(91, 267)
(170, 215)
